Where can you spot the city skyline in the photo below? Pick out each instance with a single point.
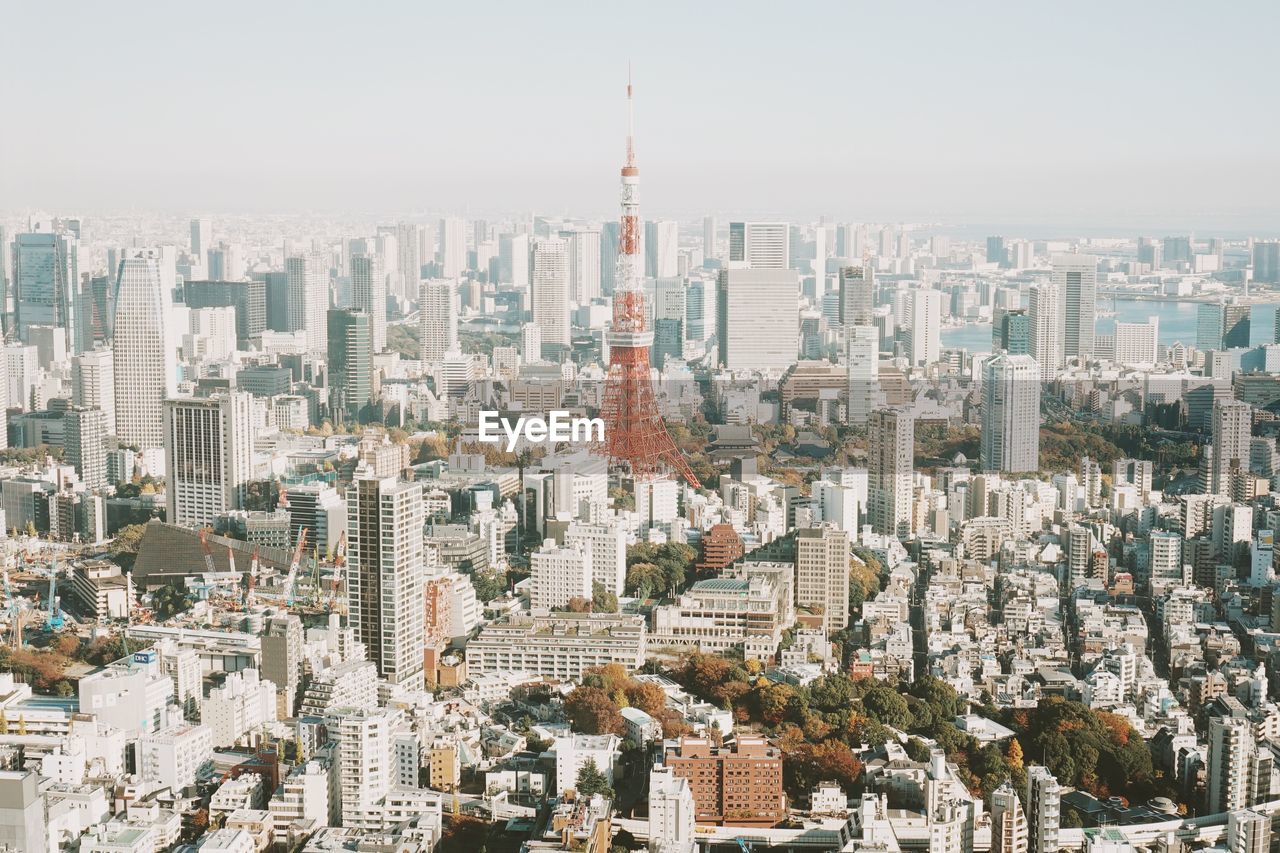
(935, 128)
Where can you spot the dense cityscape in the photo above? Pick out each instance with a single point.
(451, 529)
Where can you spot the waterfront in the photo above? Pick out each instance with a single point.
(1177, 323)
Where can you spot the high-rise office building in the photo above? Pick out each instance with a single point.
(410, 243)
(1209, 327)
(513, 261)
(201, 237)
(550, 290)
(1010, 441)
(1177, 250)
(208, 451)
(709, 237)
(1135, 343)
(452, 241)
(822, 574)
(584, 264)
(760, 245)
(758, 318)
(1044, 805)
(308, 295)
(350, 364)
(661, 248)
(1013, 335)
(248, 298)
(143, 357)
(1008, 821)
(857, 295)
(996, 250)
(85, 444)
(1235, 325)
(282, 659)
(891, 441)
(437, 320)
(1232, 430)
(887, 243)
(1076, 277)
(1044, 309)
(46, 284)
(385, 574)
(369, 295)
(924, 332)
(93, 384)
(1266, 261)
(609, 236)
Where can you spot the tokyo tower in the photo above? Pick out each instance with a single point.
(635, 436)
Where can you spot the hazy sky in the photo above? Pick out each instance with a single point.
(1076, 112)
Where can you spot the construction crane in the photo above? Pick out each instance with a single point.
(339, 563)
(253, 579)
(208, 552)
(292, 578)
(55, 612)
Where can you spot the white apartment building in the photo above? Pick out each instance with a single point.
(558, 645)
(173, 756)
(239, 708)
(549, 282)
(606, 543)
(560, 574)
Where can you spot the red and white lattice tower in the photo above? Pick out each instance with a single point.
(635, 436)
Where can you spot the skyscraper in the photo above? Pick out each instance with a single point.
(760, 245)
(201, 237)
(308, 289)
(410, 241)
(208, 451)
(513, 260)
(661, 248)
(584, 264)
(890, 465)
(995, 250)
(1076, 277)
(350, 364)
(452, 247)
(1135, 343)
(143, 357)
(93, 384)
(1235, 325)
(385, 574)
(84, 440)
(822, 574)
(1010, 440)
(1014, 333)
(857, 295)
(708, 237)
(550, 290)
(1266, 261)
(437, 320)
(1044, 803)
(1232, 430)
(609, 236)
(46, 282)
(369, 295)
(924, 333)
(758, 318)
(1208, 326)
(1045, 307)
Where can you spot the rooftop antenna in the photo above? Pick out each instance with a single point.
(631, 122)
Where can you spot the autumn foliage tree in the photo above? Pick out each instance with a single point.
(592, 711)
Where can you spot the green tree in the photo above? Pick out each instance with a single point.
(489, 584)
(591, 781)
(602, 600)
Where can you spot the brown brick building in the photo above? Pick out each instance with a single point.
(720, 546)
(735, 785)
